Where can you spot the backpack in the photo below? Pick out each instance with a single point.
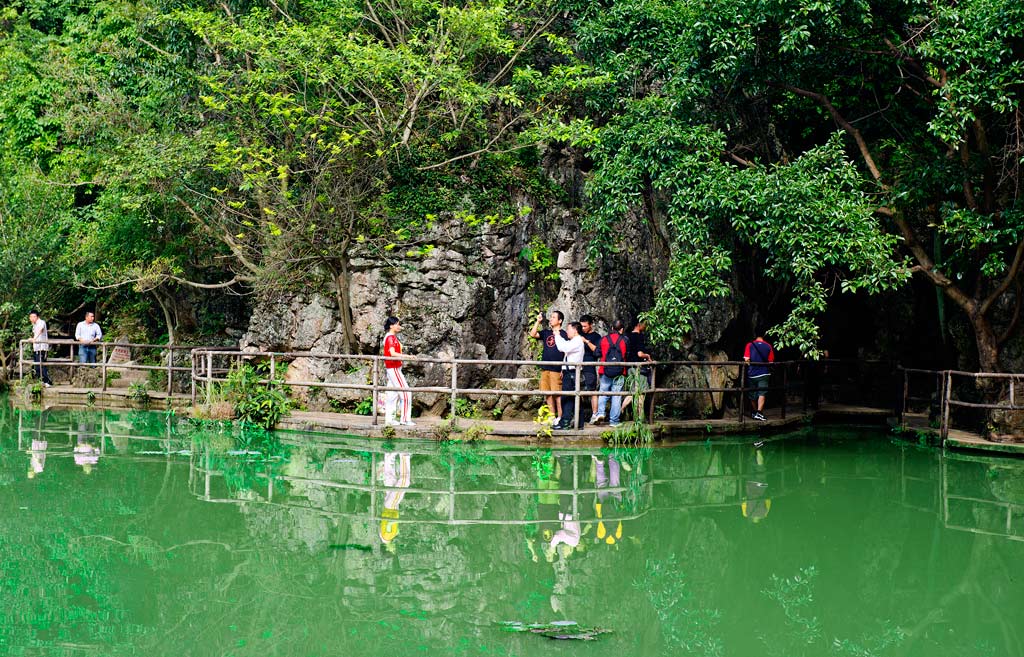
(614, 355)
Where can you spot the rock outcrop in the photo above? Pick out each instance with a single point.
(473, 296)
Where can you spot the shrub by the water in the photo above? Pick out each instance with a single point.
(255, 399)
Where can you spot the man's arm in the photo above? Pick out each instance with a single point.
(99, 334)
(535, 331)
(746, 353)
(78, 332)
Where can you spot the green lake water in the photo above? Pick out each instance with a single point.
(135, 534)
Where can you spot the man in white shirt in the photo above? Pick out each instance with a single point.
(573, 350)
(40, 347)
(88, 333)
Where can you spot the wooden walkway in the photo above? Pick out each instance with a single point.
(525, 431)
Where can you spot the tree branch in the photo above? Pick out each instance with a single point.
(926, 264)
(865, 152)
(1018, 259)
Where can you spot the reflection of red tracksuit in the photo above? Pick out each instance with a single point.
(395, 379)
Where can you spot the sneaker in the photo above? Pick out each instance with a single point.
(597, 419)
(759, 417)
(556, 421)
(410, 423)
(47, 385)
(392, 423)
(614, 424)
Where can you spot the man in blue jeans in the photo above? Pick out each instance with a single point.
(88, 333)
(614, 348)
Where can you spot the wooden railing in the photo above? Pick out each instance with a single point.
(103, 352)
(943, 400)
(211, 366)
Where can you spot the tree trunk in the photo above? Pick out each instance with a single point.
(343, 296)
(987, 343)
(168, 314)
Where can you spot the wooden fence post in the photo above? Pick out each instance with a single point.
(576, 394)
(209, 378)
(743, 393)
(945, 405)
(455, 392)
(374, 394)
(170, 370)
(654, 386)
(785, 388)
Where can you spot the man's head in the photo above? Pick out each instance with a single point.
(574, 329)
(33, 316)
(618, 326)
(556, 318)
(639, 324)
(587, 322)
(90, 317)
(392, 325)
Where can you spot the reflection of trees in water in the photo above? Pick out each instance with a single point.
(686, 626)
(293, 564)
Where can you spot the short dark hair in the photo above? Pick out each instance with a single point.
(618, 326)
(561, 315)
(577, 326)
(589, 319)
(389, 322)
(34, 312)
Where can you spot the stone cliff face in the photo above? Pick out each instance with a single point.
(474, 297)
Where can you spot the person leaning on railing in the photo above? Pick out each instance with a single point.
(759, 354)
(88, 333)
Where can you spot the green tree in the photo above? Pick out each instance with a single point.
(325, 118)
(728, 109)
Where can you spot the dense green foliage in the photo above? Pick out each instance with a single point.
(154, 147)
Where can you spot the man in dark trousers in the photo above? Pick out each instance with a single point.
(758, 354)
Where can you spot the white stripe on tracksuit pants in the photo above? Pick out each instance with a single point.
(396, 379)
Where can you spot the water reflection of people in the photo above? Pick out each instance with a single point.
(86, 453)
(607, 475)
(37, 458)
(396, 473)
(37, 451)
(756, 503)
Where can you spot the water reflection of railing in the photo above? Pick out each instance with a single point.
(965, 506)
(99, 428)
(709, 491)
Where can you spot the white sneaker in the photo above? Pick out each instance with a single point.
(392, 423)
(597, 419)
(47, 385)
(410, 423)
(556, 420)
